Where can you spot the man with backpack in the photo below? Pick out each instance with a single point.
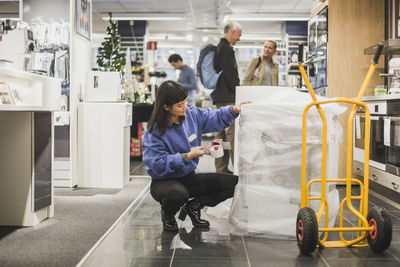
(187, 77)
(225, 91)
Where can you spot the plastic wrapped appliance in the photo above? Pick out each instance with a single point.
(268, 162)
(267, 197)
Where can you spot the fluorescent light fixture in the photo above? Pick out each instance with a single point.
(260, 37)
(189, 37)
(174, 46)
(267, 17)
(249, 46)
(144, 16)
(166, 37)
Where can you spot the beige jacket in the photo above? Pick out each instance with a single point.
(253, 78)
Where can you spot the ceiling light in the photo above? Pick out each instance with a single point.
(204, 38)
(144, 16)
(175, 46)
(260, 37)
(165, 37)
(249, 46)
(268, 17)
(189, 37)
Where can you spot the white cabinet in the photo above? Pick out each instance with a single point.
(103, 142)
(26, 147)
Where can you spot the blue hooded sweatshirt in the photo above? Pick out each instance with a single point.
(162, 155)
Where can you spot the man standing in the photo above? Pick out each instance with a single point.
(225, 91)
(187, 77)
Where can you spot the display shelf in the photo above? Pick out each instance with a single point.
(25, 108)
(36, 92)
(390, 47)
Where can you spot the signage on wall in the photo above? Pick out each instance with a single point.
(152, 45)
(82, 18)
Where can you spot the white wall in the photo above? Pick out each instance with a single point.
(81, 56)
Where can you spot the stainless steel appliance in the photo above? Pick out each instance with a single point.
(377, 152)
(392, 137)
(384, 171)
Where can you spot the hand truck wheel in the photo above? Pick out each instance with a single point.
(307, 230)
(380, 237)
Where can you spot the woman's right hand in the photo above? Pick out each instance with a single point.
(197, 151)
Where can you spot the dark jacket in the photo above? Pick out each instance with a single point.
(224, 59)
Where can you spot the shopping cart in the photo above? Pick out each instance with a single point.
(375, 226)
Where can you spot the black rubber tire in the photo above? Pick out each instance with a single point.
(379, 239)
(306, 230)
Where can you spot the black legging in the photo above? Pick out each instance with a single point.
(209, 188)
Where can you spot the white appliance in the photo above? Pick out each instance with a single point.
(103, 86)
(14, 47)
(103, 144)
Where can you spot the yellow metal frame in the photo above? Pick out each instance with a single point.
(363, 226)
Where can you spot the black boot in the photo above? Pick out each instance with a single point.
(169, 223)
(193, 209)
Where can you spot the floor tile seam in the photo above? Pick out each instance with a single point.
(358, 258)
(385, 199)
(322, 257)
(176, 240)
(139, 198)
(137, 167)
(245, 250)
(398, 218)
(349, 221)
(155, 257)
(207, 257)
(141, 176)
(396, 258)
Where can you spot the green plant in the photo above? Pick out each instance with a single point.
(109, 57)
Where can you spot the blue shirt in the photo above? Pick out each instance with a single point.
(188, 79)
(162, 154)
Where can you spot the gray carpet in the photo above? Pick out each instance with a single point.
(82, 216)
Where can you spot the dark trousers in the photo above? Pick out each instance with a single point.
(209, 188)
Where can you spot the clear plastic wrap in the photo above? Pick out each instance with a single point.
(267, 197)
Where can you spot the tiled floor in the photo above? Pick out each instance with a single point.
(138, 240)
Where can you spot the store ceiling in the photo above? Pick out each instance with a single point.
(204, 17)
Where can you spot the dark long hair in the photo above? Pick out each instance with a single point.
(169, 93)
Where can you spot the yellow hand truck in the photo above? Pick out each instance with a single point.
(375, 226)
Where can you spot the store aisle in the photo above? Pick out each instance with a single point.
(138, 240)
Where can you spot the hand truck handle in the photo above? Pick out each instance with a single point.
(377, 53)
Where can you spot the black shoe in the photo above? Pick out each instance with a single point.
(169, 223)
(193, 209)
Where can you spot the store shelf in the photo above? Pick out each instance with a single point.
(390, 47)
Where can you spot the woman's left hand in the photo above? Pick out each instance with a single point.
(237, 109)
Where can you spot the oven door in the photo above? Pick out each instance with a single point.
(377, 153)
(393, 145)
(359, 137)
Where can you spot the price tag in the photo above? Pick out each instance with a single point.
(386, 132)
(358, 127)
